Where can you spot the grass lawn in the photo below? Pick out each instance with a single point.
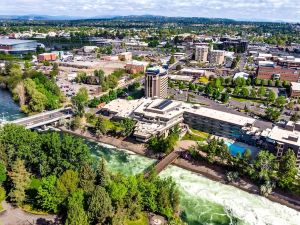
(142, 221)
(197, 136)
(245, 100)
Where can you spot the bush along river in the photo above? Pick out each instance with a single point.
(203, 201)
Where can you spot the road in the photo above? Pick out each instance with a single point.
(16, 216)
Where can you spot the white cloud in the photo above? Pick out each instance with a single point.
(246, 9)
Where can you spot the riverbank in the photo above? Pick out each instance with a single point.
(212, 172)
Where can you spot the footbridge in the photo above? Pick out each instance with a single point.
(167, 160)
(44, 118)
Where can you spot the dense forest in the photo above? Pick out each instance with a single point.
(55, 173)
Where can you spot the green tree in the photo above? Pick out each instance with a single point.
(271, 97)
(280, 101)
(47, 196)
(76, 214)
(79, 101)
(245, 92)
(99, 206)
(272, 114)
(20, 181)
(172, 59)
(2, 194)
(266, 166)
(261, 92)
(102, 174)
(253, 93)
(87, 178)
(225, 97)
(287, 169)
(2, 172)
(67, 183)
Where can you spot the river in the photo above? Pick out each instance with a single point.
(9, 110)
(204, 202)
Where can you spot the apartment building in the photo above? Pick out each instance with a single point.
(280, 139)
(156, 82)
(201, 53)
(135, 67)
(217, 57)
(217, 122)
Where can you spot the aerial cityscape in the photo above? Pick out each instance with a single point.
(149, 112)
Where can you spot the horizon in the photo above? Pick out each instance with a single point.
(240, 10)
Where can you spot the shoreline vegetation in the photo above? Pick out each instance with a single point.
(55, 173)
(213, 172)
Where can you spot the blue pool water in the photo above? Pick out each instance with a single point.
(234, 148)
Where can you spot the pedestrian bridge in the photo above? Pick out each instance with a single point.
(44, 118)
(167, 160)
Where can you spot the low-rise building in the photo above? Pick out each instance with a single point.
(47, 57)
(135, 67)
(279, 140)
(289, 62)
(195, 73)
(217, 122)
(125, 56)
(155, 117)
(278, 73)
(295, 89)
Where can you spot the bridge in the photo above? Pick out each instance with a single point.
(167, 160)
(44, 118)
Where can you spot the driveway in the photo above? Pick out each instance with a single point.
(16, 216)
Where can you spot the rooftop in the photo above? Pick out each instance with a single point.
(221, 116)
(284, 136)
(6, 41)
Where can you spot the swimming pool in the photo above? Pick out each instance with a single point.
(234, 148)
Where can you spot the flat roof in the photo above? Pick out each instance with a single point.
(284, 136)
(222, 116)
(295, 86)
(6, 41)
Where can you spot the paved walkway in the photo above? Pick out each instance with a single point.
(16, 216)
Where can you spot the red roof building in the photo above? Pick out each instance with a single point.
(268, 73)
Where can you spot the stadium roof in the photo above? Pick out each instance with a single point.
(6, 41)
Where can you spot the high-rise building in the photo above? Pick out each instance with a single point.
(216, 57)
(201, 53)
(156, 83)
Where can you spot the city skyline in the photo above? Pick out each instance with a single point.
(269, 10)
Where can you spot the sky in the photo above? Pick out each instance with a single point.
(261, 10)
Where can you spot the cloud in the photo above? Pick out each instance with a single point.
(237, 9)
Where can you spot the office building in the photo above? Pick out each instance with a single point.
(233, 44)
(216, 57)
(201, 53)
(156, 82)
(17, 46)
